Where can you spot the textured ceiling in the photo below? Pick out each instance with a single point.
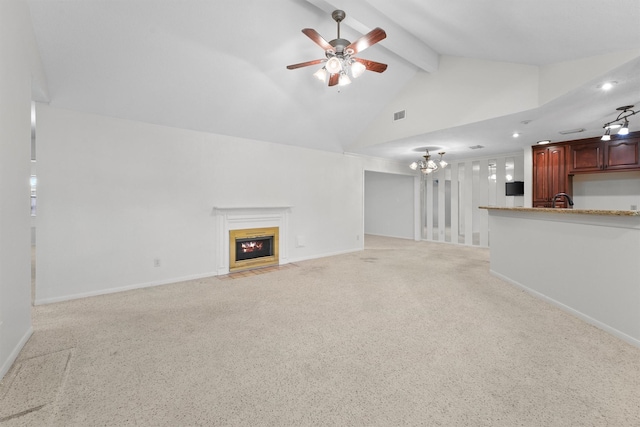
(219, 66)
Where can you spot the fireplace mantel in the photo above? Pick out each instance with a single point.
(241, 217)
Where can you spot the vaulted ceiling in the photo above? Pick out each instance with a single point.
(466, 72)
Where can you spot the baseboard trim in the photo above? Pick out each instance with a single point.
(389, 235)
(598, 324)
(15, 352)
(43, 301)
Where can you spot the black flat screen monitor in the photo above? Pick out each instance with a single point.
(515, 188)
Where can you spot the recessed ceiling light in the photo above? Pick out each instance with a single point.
(516, 134)
(546, 141)
(607, 85)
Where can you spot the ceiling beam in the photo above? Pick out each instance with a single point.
(399, 41)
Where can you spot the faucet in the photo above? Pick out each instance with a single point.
(565, 195)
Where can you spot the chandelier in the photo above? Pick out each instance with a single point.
(620, 122)
(427, 165)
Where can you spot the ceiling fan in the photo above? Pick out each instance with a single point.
(340, 60)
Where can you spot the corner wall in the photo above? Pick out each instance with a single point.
(17, 52)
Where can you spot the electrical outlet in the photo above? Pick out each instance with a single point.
(156, 262)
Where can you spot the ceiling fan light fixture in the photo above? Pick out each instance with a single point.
(334, 65)
(321, 74)
(343, 80)
(339, 54)
(357, 68)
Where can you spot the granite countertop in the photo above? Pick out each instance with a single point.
(566, 211)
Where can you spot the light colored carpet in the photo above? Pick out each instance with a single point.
(402, 333)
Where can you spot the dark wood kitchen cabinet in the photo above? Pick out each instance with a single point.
(555, 165)
(594, 155)
(549, 175)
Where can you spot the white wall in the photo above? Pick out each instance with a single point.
(389, 205)
(113, 195)
(586, 264)
(17, 55)
(616, 190)
(487, 89)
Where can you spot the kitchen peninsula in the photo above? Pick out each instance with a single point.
(587, 262)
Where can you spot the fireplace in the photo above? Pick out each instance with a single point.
(253, 248)
(233, 219)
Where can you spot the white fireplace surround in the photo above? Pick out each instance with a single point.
(239, 218)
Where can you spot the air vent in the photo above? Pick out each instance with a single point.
(567, 132)
(399, 115)
(476, 147)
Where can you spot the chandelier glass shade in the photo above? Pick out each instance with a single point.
(428, 165)
(621, 122)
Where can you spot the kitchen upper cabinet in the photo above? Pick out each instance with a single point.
(622, 154)
(594, 155)
(554, 165)
(549, 176)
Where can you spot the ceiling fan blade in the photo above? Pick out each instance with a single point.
(306, 64)
(378, 67)
(317, 38)
(369, 39)
(333, 79)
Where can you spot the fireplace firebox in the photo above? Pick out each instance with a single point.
(253, 248)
